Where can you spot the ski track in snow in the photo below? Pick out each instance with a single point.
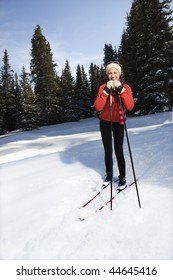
(48, 174)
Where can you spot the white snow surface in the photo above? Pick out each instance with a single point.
(46, 175)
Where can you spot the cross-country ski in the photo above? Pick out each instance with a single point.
(106, 203)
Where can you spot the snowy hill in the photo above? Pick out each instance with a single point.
(47, 174)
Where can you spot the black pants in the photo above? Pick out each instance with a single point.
(118, 137)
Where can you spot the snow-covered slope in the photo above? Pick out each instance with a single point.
(47, 174)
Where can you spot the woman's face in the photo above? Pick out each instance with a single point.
(113, 74)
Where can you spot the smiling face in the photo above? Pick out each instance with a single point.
(113, 74)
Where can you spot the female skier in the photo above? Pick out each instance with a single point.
(119, 89)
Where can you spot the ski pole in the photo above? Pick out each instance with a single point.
(130, 153)
(111, 148)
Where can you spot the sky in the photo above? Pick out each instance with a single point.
(76, 30)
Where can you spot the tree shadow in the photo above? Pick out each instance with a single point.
(89, 153)
(70, 128)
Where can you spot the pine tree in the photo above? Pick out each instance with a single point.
(17, 93)
(146, 53)
(27, 112)
(45, 80)
(68, 95)
(86, 95)
(82, 93)
(78, 93)
(95, 81)
(103, 76)
(110, 54)
(2, 109)
(8, 102)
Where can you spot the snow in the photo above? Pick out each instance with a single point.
(46, 175)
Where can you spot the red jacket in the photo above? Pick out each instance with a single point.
(102, 103)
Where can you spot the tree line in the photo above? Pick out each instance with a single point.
(42, 97)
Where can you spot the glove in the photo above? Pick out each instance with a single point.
(110, 84)
(118, 86)
(108, 87)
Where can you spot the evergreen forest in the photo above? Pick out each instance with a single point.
(42, 97)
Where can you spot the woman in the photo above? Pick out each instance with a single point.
(102, 103)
